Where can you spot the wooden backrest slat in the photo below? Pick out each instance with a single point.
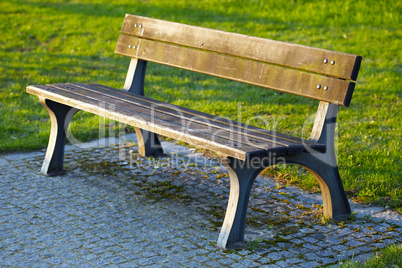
(238, 69)
(346, 66)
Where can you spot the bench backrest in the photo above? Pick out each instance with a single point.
(305, 71)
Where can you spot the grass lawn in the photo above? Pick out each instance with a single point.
(73, 41)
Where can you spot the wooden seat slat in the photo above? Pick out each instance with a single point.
(186, 126)
(217, 123)
(240, 145)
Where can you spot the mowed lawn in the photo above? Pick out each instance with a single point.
(73, 41)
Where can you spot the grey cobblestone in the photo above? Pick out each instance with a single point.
(107, 211)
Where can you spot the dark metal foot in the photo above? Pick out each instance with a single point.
(60, 116)
(148, 143)
(242, 176)
(335, 201)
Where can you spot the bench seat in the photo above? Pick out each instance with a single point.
(225, 136)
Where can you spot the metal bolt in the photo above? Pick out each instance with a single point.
(332, 62)
(326, 61)
(140, 25)
(129, 46)
(318, 86)
(326, 88)
(135, 25)
(134, 47)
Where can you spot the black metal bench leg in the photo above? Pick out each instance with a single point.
(336, 204)
(242, 176)
(335, 201)
(148, 143)
(60, 116)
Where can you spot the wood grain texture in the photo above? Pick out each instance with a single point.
(223, 127)
(174, 123)
(279, 53)
(192, 116)
(338, 91)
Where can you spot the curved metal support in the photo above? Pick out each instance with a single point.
(323, 166)
(242, 175)
(60, 116)
(148, 142)
(335, 201)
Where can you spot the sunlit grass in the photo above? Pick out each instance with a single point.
(389, 257)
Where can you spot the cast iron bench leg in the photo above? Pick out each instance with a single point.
(148, 143)
(60, 116)
(242, 176)
(324, 166)
(335, 201)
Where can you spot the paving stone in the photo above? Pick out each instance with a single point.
(275, 256)
(226, 261)
(311, 246)
(309, 264)
(327, 260)
(282, 263)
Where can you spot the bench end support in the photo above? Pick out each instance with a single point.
(60, 116)
(148, 143)
(242, 176)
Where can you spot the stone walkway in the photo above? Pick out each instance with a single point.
(113, 208)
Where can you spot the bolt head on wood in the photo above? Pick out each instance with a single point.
(318, 86)
(325, 61)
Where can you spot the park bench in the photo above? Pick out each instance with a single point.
(245, 150)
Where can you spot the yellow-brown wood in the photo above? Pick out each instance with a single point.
(252, 72)
(275, 52)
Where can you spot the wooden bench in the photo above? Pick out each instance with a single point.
(245, 150)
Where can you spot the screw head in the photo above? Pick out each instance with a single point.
(318, 86)
(135, 25)
(134, 47)
(325, 61)
(332, 62)
(129, 46)
(326, 88)
(140, 25)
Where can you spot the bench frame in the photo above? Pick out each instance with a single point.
(242, 172)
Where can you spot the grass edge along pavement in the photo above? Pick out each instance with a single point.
(390, 256)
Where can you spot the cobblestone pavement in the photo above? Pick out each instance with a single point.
(113, 208)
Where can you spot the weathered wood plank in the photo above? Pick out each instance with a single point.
(203, 120)
(179, 123)
(346, 66)
(287, 80)
(149, 123)
(191, 116)
(235, 135)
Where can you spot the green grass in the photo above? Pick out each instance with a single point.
(389, 257)
(73, 41)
